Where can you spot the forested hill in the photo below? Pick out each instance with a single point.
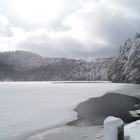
(27, 66)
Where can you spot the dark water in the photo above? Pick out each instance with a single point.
(95, 110)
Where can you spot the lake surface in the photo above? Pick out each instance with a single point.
(26, 107)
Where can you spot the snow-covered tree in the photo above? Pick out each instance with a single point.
(126, 67)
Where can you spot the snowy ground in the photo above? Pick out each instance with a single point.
(28, 107)
(71, 133)
(133, 130)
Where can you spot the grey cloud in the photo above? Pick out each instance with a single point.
(5, 28)
(5, 31)
(64, 47)
(104, 28)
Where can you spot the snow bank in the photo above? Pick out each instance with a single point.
(111, 125)
(133, 130)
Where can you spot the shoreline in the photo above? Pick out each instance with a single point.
(65, 132)
(40, 131)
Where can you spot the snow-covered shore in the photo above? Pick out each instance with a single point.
(133, 130)
(70, 133)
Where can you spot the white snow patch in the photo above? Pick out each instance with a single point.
(133, 130)
(111, 125)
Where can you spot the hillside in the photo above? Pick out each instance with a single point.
(27, 66)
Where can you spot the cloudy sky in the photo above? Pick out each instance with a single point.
(68, 28)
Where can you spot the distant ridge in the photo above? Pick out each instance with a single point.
(28, 66)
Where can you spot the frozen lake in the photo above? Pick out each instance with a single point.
(26, 107)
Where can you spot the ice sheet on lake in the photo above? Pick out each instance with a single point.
(29, 106)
